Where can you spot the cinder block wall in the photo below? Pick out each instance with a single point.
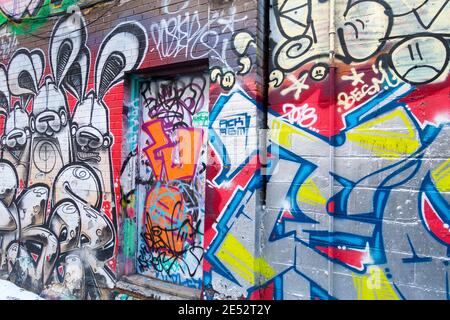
(71, 191)
(352, 201)
(359, 110)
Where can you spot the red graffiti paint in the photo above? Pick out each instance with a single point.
(351, 257)
(264, 293)
(434, 222)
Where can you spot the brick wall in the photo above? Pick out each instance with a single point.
(112, 168)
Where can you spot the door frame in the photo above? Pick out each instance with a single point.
(129, 209)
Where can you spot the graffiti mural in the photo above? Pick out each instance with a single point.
(356, 169)
(316, 167)
(173, 165)
(59, 226)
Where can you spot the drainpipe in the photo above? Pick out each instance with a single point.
(332, 104)
(264, 125)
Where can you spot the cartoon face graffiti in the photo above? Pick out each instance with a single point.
(17, 132)
(58, 234)
(366, 24)
(51, 140)
(420, 59)
(51, 144)
(50, 113)
(294, 17)
(122, 50)
(16, 142)
(90, 129)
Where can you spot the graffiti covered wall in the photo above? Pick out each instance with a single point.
(59, 217)
(357, 198)
(318, 169)
(359, 206)
(86, 196)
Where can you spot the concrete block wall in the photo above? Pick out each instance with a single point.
(352, 202)
(359, 111)
(71, 150)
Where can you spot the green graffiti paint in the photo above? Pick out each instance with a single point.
(32, 23)
(129, 238)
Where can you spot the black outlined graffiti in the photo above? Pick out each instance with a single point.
(226, 79)
(242, 42)
(58, 217)
(16, 141)
(276, 78)
(295, 23)
(172, 241)
(420, 58)
(122, 50)
(175, 101)
(51, 147)
(365, 29)
(171, 180)
(360, 39)
(319, 71)
(425, 11)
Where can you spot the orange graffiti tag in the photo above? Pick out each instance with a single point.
(174, 159)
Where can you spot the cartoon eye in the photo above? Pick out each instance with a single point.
(63, 235)
(32, 124)
(74, 128)
(85, 239)
(63, 116)
(107, 141)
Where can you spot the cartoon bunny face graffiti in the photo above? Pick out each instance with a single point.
(50, 145)
(50, 114)
(17, 131)
(91, 133)
(61, 229)
(16, 142)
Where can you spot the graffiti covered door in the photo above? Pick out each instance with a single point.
(172, 175)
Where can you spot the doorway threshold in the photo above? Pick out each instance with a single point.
(145, 288)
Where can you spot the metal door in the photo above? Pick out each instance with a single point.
(172, 176)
